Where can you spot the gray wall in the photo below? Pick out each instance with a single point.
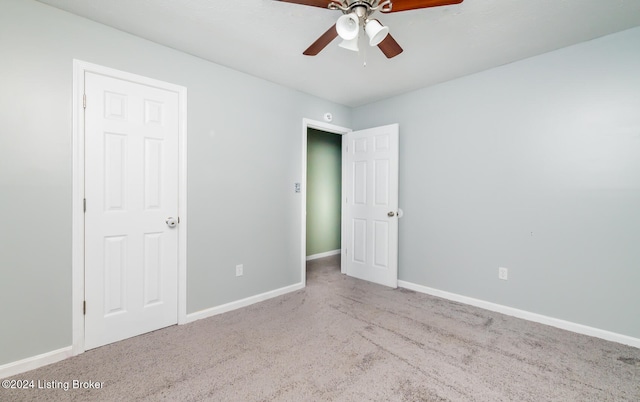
(533, 166)
(244, 142)
(548, 146)
(324, 188)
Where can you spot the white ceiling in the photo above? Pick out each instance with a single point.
(265, 38)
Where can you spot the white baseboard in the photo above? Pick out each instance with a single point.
(34, 362)
(322, 255)
(210, 312)
(526, 315)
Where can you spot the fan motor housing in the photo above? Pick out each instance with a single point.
(362, 8)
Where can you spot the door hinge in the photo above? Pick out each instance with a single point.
(84, 307)
(84, 204)
(84, 101)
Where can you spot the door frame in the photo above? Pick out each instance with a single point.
(78, 167)
(329, 128)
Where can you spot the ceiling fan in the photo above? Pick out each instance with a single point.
(356, 15)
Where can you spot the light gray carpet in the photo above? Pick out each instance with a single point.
(347, 340)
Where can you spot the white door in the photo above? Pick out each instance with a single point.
(131, 189)
(370, 219)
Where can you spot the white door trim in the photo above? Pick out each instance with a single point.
(330, 128)
(77, 244)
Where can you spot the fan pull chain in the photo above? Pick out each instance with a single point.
(364, 51)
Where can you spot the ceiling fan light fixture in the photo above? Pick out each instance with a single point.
(375, 31)
(348, 26)
(351, 44)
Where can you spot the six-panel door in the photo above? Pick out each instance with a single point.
(371, 204)
(131, 174)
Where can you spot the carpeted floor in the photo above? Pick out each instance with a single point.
(344, 339)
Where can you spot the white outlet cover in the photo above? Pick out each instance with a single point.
(328, 117)
(503, 273)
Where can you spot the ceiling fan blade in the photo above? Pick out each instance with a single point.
(390, 47)
(405, 5)
(322, 42)
(314, 3)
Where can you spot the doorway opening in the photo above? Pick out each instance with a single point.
(315, 243)
(324, 189)
(369, 202)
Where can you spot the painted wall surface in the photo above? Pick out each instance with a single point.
(533, 166)
(324, 187)
(236, 178)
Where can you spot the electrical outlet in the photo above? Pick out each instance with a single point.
(503, 273)
(239, 270)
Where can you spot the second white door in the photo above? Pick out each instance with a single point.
(131, 191)
(370, 213)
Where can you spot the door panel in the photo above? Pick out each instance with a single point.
(131, 188)
(371, 194)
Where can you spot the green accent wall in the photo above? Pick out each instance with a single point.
(324, 186)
